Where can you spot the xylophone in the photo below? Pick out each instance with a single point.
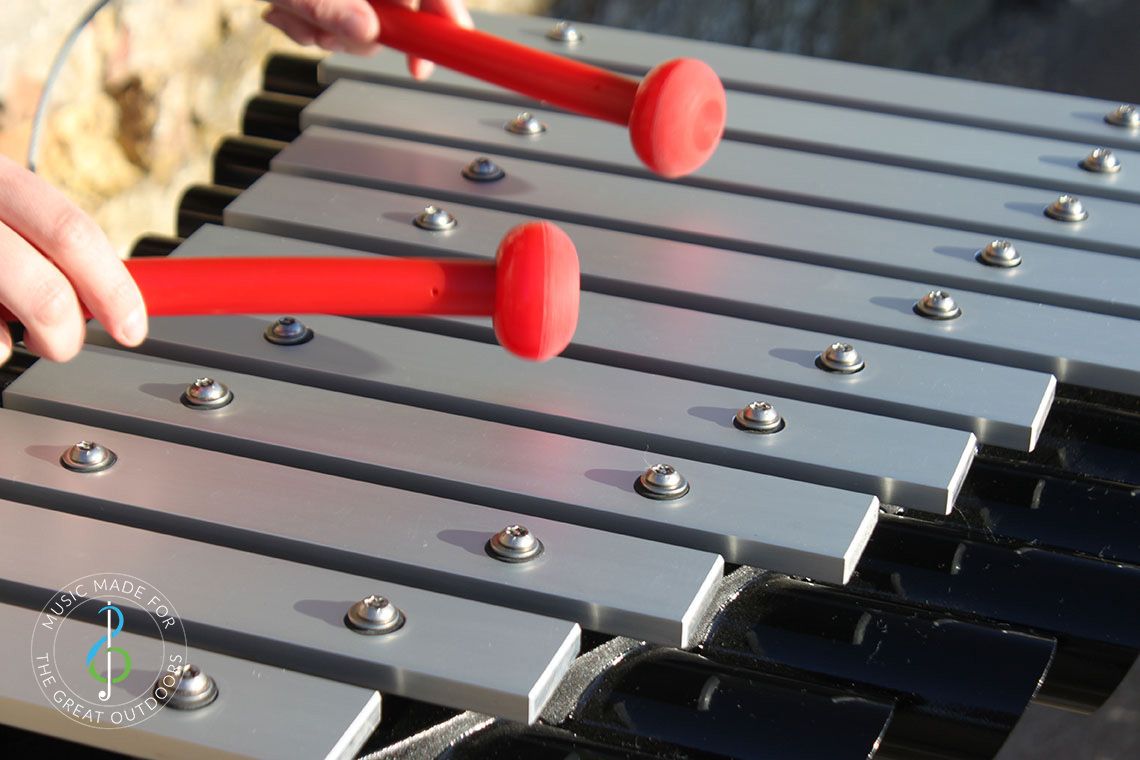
(840, 461)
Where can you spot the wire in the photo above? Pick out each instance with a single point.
(56, 66)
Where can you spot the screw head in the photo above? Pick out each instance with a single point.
(759, 417)
(565, 32)
(186, 689)
(514, 543)
(87, 456)
(841, 358)
(662, 481)
(1101, 161)
(288, 331)
(483, 169)
(374, 615)
(1067, 208)
(999, 253)
(435, 219)
(1124, 115)
(206, 393)
(938, 304)
(525, 123)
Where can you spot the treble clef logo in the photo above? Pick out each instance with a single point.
(105, 645)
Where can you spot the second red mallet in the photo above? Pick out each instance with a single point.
(530, 291)
(676, 114)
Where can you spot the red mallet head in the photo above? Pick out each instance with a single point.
(678, 117)
(536, 291)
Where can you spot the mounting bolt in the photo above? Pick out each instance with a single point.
(1101, 161)
(662, 481)
(435, 219)
(759, 417)
(186, 689)
(526, 124)
(938, 304)
(288, 331)
(374, 615)
(1126, 115)
(87, 456)
(840, 357)
(564, 32)
(1067, 208)
(483, 169)
(514, 543)
(207, 393)
(999, 253)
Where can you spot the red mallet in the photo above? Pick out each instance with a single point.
(530, 291)
(675, 115)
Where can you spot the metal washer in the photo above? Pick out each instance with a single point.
(514, 544)
(288, 331)
(88, 456)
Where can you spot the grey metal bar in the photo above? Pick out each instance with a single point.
(607, 582)
(450, 651)
(714, 217)
(749, 518)
(310, 717)
(937, 98)
(1076, 346)
(857, 146)
(903, 463)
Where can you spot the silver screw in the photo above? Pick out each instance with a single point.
(207, 393)
(1067, 208)
(525, 123)
(186, 689)
(565, 32)
(483, 169)
(1125, 115)
(514, 543)
(840, 357)
(288, 331)
(759, 417)
(662, 481)
(435, 219)
(87, 456)
(374, 615)
(1101, 161)
(999, 253)
(938, 304)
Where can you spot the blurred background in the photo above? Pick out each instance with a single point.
(153, 84)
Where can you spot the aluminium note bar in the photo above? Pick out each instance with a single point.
(605, 582)
(260, 711)
(785, 525)
(903, 463)
(679, 212)
(937, 98)
(1066, 277)
(1075, 346)
(450, 651)
(859, 145)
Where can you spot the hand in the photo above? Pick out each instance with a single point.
(351, 25)
(52, 256)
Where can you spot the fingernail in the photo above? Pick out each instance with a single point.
(360, 25)
(133, 330)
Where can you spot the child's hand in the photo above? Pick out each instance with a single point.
(52, 256)
(351, 25)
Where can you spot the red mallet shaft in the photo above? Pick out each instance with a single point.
(675, 115)
(530, 291)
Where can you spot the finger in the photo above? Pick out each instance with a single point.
(51, 223)
(349, 20)
(295, 28)
(40, 297)
(5, 344)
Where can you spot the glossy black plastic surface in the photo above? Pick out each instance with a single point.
(292, 75)
(274, 116)
(240, 161)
